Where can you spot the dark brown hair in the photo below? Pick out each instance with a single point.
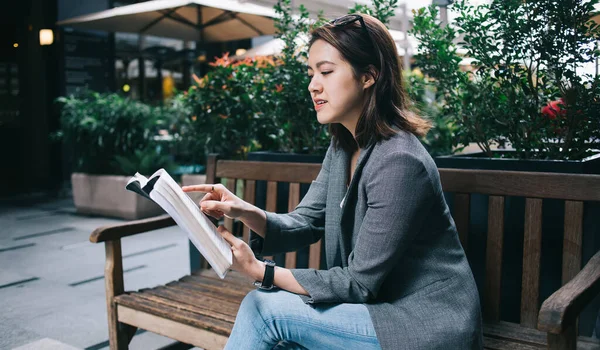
(387, 103)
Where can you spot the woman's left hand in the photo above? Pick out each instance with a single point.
(243, 257)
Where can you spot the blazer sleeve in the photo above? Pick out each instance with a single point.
(400, 195)
(301, 227)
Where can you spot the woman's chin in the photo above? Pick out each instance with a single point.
(322, 118)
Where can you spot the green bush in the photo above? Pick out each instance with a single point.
(109, 134)
(524, 89)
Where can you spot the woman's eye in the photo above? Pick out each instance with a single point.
(325, 73)
(310, 76)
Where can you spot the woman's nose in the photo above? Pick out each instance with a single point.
(314, 86)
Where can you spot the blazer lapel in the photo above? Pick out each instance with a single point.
(350, 199)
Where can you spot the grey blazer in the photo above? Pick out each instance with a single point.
(390, 243)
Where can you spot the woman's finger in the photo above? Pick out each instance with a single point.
(202, 188)
(215, 206)
(231, 239)
(211, 196)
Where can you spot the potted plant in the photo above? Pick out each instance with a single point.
(523, 90)
(108, 139)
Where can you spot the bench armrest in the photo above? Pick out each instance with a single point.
(114, 232)
(561, 309)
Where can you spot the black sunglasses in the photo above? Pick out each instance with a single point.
(347, 19)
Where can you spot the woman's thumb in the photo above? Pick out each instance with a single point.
(231, 239)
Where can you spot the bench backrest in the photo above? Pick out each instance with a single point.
(241, 176)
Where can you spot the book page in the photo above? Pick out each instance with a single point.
(188, 216)
(137, 183)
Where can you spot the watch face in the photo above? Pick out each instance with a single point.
(269, 262)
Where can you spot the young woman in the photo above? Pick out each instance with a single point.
(397, 276)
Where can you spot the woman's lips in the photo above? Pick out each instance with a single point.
(319, 106)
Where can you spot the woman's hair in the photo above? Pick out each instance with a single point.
(372, 51)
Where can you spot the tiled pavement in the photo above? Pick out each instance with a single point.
(51, 276)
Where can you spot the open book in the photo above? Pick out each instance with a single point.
(162, 189)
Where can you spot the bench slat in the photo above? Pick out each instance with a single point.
(271, 204)
(572, 240)
(181, 301)
(293, 200)
(230, 185)
(522, 184)
(240, 290)
(493, 262)
(462, 215)
(532, 246)
(268, 171)
(175, 314)
(249, 196)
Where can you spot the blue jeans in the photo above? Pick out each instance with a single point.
(281, 320)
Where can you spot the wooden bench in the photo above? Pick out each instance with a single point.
(200, 309)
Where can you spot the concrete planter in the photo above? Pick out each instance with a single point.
(194, 179)
(106, 195)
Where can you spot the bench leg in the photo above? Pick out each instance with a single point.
(566, 340)
(113, 277)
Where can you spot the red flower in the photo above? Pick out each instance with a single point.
(278, 87)
(555, 109)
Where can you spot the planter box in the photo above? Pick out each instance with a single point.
(478, 160)
(106, 195)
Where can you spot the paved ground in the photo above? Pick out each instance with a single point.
(51, 276)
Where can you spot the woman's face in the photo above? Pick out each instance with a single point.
(337, 95)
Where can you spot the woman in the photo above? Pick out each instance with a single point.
(397, 275)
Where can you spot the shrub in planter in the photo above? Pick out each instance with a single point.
(526, 54)
(105, 132)
(107, 135)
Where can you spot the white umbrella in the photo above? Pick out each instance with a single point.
(194, 20)
(275, 46)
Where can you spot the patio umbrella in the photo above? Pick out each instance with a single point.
(194, 20)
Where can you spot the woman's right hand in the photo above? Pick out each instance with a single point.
(219, 201)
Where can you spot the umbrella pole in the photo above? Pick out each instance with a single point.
(200, 36)
(141, 70)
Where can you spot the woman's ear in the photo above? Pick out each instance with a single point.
(370, 77)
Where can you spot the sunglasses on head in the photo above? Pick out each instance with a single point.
(347, 19)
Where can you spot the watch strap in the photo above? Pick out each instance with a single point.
(267, 282)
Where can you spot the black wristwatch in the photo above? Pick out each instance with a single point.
(267, 282)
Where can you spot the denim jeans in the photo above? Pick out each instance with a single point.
(279, 319)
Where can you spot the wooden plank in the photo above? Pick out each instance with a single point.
(503, 344)
(178, 315)
(493, 262)
(293, 200)
(118, 231)
(314, 257)
(515, 333)
(532, 247)
(228, 222)
(576, 187)
(567, 340)
(226, 288)
(572, 240)
(271, 204)
(268, 171)
(113, 281)
(462, 215)
(211, 169)
(164, 326)
(196, 303)
(249, 196)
